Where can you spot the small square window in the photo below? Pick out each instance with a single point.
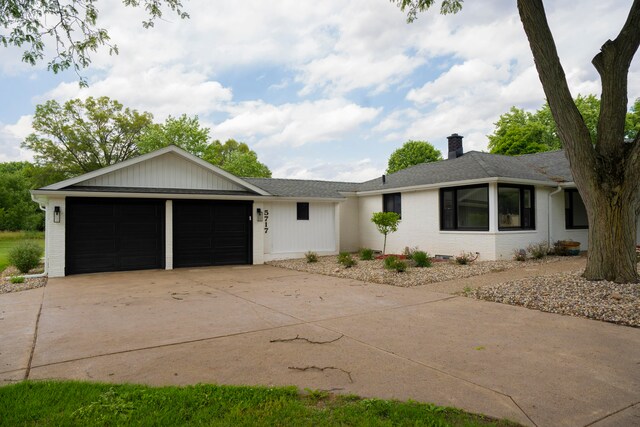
(392, 203)
(303, 211)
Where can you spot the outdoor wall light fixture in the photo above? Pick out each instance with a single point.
(56, 214)
(259, 214)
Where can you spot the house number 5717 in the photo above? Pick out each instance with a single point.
(266, 221)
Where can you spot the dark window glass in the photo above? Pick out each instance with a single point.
(392, 203)
(303, 211)
(448, 210)
(516, 207)
(464, 208)
(575, 212)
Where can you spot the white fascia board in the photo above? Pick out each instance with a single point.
(148, 156)
(457, 184)
(115, 194)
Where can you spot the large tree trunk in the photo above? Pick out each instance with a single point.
(608, 174)
(612, 235)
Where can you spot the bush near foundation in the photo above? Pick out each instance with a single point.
(25, 256)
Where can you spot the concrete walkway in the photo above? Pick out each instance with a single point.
(264, 325)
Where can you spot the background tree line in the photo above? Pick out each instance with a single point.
(79, 136)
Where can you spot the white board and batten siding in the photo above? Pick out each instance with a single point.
(287, 237)
(166, 171)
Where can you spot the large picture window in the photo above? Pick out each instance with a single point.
(575, 214)
(392, 203)
(516, 207)
(465, 208)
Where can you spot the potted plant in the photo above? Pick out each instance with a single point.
(567, 247)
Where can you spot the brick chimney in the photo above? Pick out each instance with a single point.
(455, 146)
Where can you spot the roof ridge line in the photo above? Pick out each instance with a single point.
(487, 169)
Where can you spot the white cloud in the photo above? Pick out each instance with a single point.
(293, 124)
(356, 171)
(11, 136)
(162, 90)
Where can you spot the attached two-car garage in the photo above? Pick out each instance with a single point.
(118, 234)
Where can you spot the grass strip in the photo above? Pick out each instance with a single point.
(70, 403)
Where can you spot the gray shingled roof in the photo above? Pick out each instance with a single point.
(476, 165)
(554, 164)
(550, 167)
(302, 187)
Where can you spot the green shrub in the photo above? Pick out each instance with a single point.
(366, 254)
(409, 252)
(519, 255)
(538, 250)
(25, 256)
(346, 260)
(466, 258)
(17, 279)
(422, 259)
(311, 257)
(393, 263)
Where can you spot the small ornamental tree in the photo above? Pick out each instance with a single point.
(386, 222)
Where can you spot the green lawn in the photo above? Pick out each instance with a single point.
(81, 403)
(8, 239)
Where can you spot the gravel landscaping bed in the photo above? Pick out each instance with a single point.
(29, 283)
(569, 293)
(374, 271)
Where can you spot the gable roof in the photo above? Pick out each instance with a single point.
(149, 156)
(303, 187)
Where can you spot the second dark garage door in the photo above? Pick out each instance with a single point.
(208, 232)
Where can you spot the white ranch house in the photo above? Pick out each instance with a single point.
(170, 209)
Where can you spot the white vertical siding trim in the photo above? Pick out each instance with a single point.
(258, 234)
(287, 235)
(165, 171)
(55, 238)
(168, 235)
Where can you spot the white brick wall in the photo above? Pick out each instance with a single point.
(349, 225)
(55, 238)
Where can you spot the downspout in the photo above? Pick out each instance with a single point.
(46, 266)
(559, 189)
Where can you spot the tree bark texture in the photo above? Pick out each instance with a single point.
(608, 174)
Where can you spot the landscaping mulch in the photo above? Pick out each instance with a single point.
(570, 294)
(29, 283)
(374, 271)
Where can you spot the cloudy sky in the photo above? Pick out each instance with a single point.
(323, 89)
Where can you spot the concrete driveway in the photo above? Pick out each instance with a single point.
(265, 325)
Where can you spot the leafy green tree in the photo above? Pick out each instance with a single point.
(187, 133)
(386, 222)
(412, 153)
(184, 132)
(71, 26)
(606, 173)
(632, 124)
(521, 132)
(17, 210)
(82, 136)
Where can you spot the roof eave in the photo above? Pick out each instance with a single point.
(412, 188)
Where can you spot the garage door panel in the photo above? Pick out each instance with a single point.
(114, 234)
(211, 233)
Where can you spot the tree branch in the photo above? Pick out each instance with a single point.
(612, 63)
(572, 130)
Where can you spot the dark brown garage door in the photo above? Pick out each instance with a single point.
(114, 234)
(209, 232)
